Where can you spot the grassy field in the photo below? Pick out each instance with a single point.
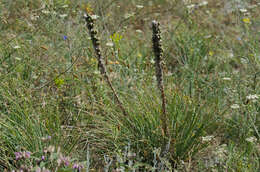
(64, 107)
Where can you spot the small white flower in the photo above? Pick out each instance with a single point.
(139, 6)
(152, 61)
(16, 47)
(244, 61)
(34, 17)
(221, 151)
(207, 138)
(109, 44)
(252, 97)
(139, 31)
(63, 15)
(243, 10)
(251, 139)
(203, 3)
(46, 12)
(230, 55)
(96, 72)
(17, 58)
(234, 106)
(94, 17)
(128, 15)
(226, 79)
(207, 36)
(191, 6)
(65, 6)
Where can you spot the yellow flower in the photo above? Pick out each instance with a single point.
(139, 55)
(246, 20)
(113, 62)
(87, 7)
(59, 82)
(211, 53)
(116, 37)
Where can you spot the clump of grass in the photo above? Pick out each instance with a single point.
(147, 128)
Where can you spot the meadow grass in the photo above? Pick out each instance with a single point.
(66, 106)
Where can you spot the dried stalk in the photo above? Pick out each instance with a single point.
(101, 65)
(158, 51)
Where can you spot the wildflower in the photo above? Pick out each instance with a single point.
(138, 31)
(207, 36)
(65, 37)
(63, 15)
(45, 170)
(230, 54)
(65, 6)
(88, 9)
(63, 160)
(191, 6)
(45, 12)
(113, 62)
(246, 20)
(139, 6)
(59, 82)
(211, 53)
(139, 55)
(109, 44)
(94, 17)
(77, 166)
(203, 3)
(234, 106)
(96, 72)
(34, 17)
(207, 138)
(252, 97)
(251, 139)
(27, 154)
(38, 169)
(16, 47)
(243, 10)
(18, 155)
(51, 149)
(116, 37)
(128, 15)
(221, 151)
(226, 79)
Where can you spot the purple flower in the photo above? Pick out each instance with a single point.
(77, 166)
(38, 169)
(65, 37)
(18, 155)
(43, 157)
(27, 154)
(66, 161)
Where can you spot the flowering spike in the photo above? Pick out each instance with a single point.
(158, 52)
(101, 65)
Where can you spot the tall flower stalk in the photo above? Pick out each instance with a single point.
(101, 65)
(158, 52)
